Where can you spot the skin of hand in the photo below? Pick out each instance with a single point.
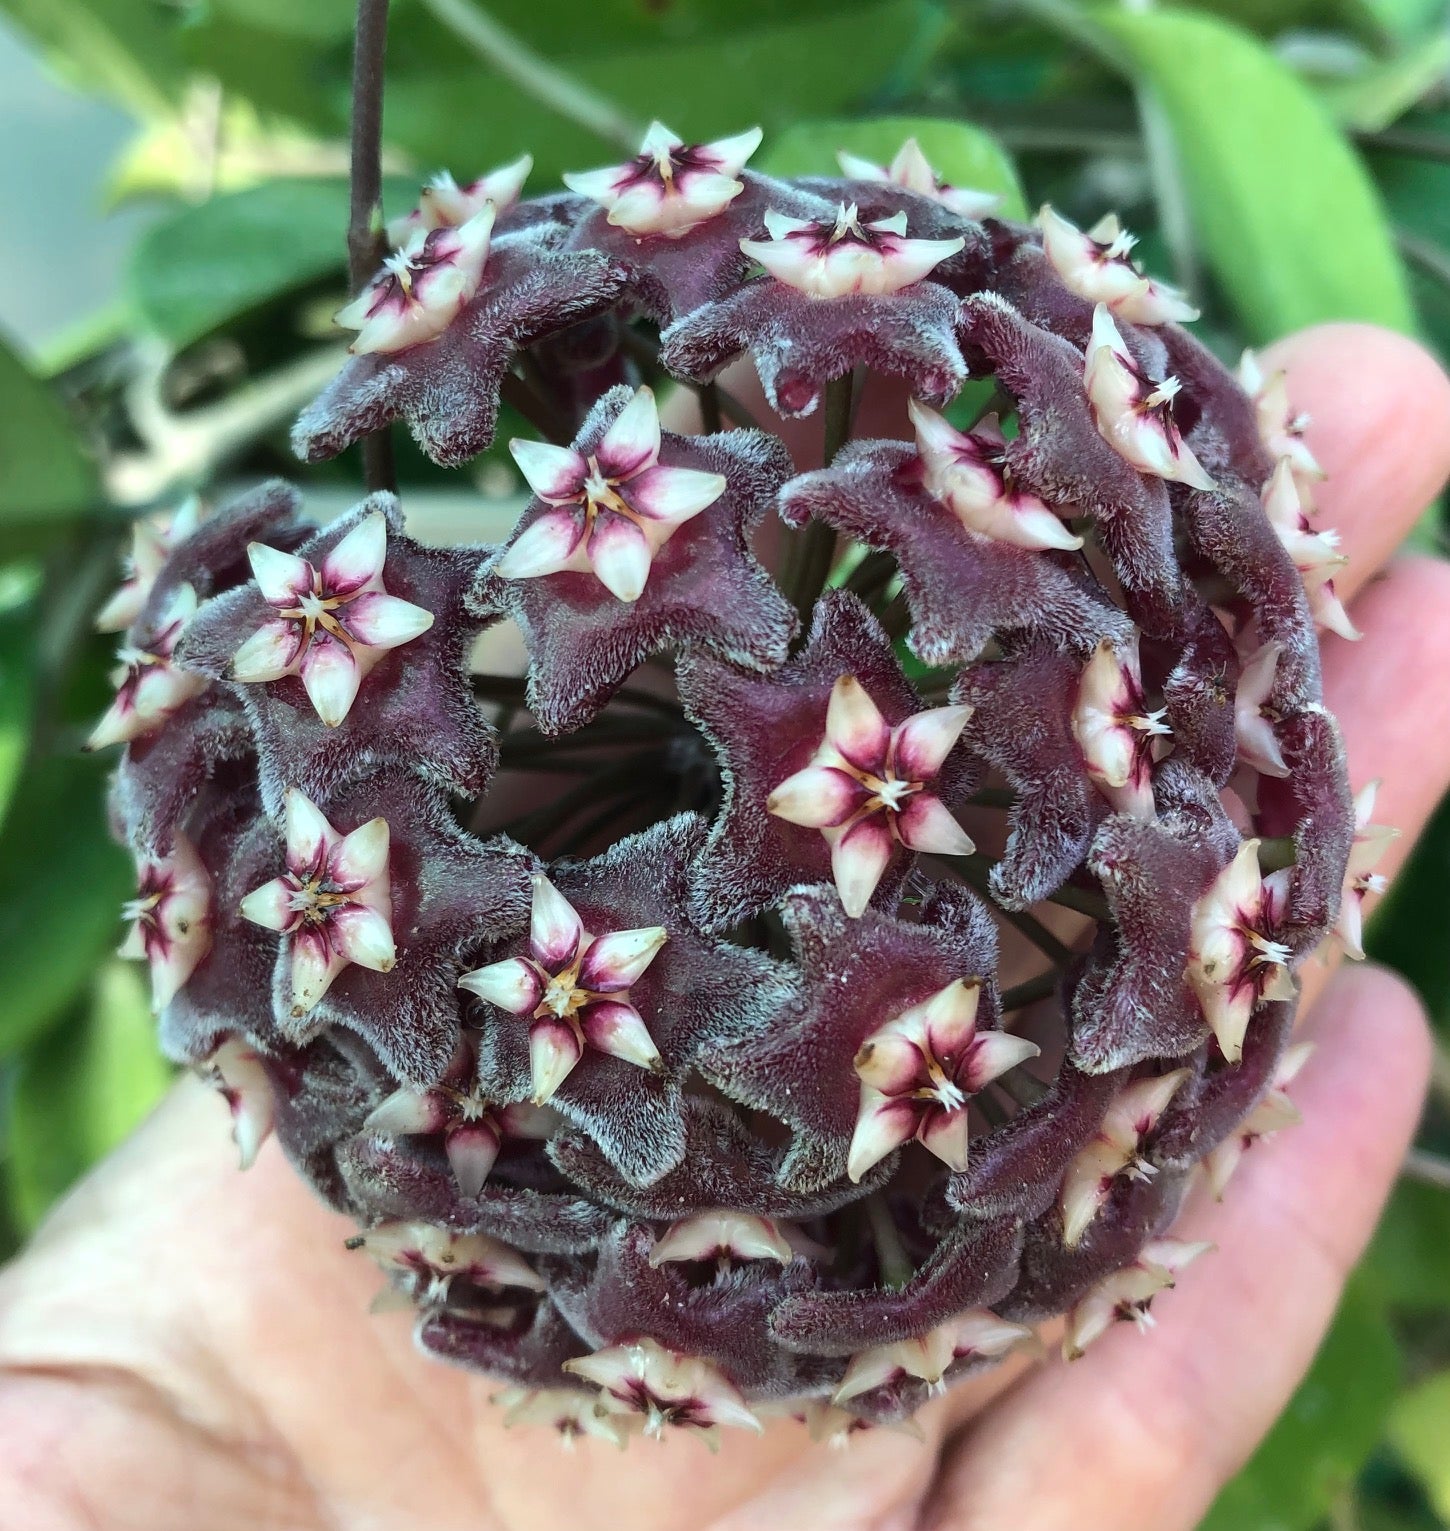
(186, 1349)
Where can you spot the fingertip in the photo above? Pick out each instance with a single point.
(1373, 1047)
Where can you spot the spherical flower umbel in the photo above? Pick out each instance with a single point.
(769, 933)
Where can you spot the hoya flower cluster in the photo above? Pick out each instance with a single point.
(823, 967)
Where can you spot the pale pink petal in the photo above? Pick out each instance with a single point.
(119, 724)
(993, 1053)
(472, 1149)
(926, 824)
(733, 153)
(383, 621)
(981, 1333)
(632, 442)
(270, 652)
(314, 965)
(513, 985)
(816, 797)
(600, 186)
(858, 858)
(364, 936)
(1257, 742)
(614, 961)
(361, 857)
(878, 1366)
(554, 473)
(673, 495)
(281, 577)
(908, 263)
(620, 556)
(1085, 1188)
(891, 1062)
(947, 1021)
(270, 905)
(549, 545)
(406, 1112)
(554, 927)
(923, 742)
(855, 727)
(330, 674)
(619, 1030)
(310, 837)
(358, 559)
(881, 1125)
(554, 1050)
(721, 1234)
(945, 1134)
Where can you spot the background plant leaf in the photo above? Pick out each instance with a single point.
(46, 473)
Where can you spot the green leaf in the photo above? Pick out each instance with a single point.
(1387, 88)
(771, 74)
(62, 882)
(207, 265)
(960, 153)
(1327, 1433)
(1284, 210)
(46, 473)
(313, 20)
(82, 1089)
(1408, 1263)
(1420, 1433)
(17, 675)
(1408, 930)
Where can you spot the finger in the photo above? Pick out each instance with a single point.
(1379, 408)
(1141, 1433)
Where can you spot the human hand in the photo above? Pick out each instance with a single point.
(184, 1350)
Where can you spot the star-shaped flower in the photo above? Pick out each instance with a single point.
(669, 187)
(651, 550)
(861, 976)
(1236, 960)
(170, 918)
(1098, 267)
(620, 992)
(1371, 841)
(566, 1410)
(969, 563)
(1119, 1148)
(868, 789)
(918, 1072)
(432, 1259)
(573, 988)
(1282, 428)
(333, 902)
(1316, 554)
(1275, 1111)
(444, 204)
(1120, 738)
(910, 170)
(351, 652)
(613, 510)
(836, 294)
(333, 621)
(421, 289)
(1127, 1294)
(152, 538)
(975, 1335)
(668, 1390)
(799, 749)
(150, 685)
(1134, 413)
(529, 289)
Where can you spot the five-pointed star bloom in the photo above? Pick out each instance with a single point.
(1134, 413)
(965, 472)
(152, 539)
(1282, 428)
(835, 259)
(150, 686)
(1235, 962)
(1274, 1112)
(1126, 1295)
(436, 1257)
(868, 787)
(918, 1072)
(1115, 730)
(928, 1357)
(421, 290)
(170, 918)
(444, 204)
(667, 1389)
(333, 902)
(563, 1409)
(910, 170)
(573, 987)
(1371, 841)
(1316, 554)
(669, 187)
(334, 621)
(614, 508)
(1118, 1148)
(1098, 266)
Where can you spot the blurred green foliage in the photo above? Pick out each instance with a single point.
(1289, 160)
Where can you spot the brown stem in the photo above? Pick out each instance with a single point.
(366, 244)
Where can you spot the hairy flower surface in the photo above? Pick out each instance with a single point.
(766, 935)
